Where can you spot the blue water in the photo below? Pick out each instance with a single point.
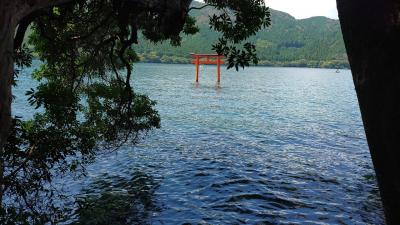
(269, 146)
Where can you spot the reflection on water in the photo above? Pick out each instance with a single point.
(270, 146)
(116, 200)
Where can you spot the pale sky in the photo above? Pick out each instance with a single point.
(305, 8)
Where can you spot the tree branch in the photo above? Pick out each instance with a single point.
(23, 26)
(201, 7)
(31, 8)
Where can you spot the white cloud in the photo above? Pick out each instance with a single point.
(305, 8)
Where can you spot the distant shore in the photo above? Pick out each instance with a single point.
(334, 64)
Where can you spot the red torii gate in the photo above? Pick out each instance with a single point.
(210, 59)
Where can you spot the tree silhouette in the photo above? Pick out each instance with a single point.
(86, 102)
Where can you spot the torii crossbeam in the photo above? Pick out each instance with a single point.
(208, 59)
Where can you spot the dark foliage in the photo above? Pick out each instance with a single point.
(85, 104)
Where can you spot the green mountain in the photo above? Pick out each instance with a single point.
(313, 42)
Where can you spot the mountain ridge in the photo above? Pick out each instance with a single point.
(311, 42)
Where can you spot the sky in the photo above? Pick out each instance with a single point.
(305, 8)
(301, 9)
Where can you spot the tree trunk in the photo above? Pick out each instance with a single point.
(371, 32)
(7, 29)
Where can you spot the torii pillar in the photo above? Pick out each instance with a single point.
(208, 59)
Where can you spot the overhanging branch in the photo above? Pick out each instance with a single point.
(201, 7)
(23, 26)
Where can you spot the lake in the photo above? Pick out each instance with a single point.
(268, 146)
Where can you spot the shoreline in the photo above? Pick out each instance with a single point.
(259, 65)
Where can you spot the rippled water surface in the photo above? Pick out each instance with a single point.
(269, 146)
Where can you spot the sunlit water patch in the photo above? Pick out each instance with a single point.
(267, 146)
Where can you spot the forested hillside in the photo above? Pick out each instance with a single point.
(313, 42)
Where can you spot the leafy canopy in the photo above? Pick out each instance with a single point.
(85, 103)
